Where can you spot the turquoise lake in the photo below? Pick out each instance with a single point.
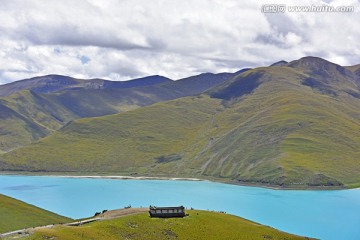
(321, 214)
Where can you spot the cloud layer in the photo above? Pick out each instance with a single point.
(125, 39)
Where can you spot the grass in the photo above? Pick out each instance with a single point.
(26, 117)
(89, 141)
(199, 225)
(279, 132)
(18, 215)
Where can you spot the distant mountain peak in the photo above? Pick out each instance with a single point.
(319, 66)
(242, 70)
(310, 62)
(279, 63)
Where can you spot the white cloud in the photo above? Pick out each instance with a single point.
(132, 38)
(292, 39)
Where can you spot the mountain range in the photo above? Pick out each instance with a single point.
(293, 124)
(31, 109)
(54, 83)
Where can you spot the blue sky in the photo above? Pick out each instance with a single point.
(125, 39)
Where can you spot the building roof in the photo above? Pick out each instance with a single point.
(164, 208)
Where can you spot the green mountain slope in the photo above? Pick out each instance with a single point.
(120, 142)
(27, 116)
(198, 225)
(296, 125)
(18, 215)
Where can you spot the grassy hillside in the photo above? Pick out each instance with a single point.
(132, 141)
(18, 215)
(27, 116)
(291, 126)
(199, 225)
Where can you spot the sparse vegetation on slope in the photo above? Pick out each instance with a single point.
(18, 215)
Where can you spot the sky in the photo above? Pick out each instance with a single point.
(126, 39)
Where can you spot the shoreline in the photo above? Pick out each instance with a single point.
(214, 180)
(126, 177)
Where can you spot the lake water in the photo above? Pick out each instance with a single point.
(321, 214)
